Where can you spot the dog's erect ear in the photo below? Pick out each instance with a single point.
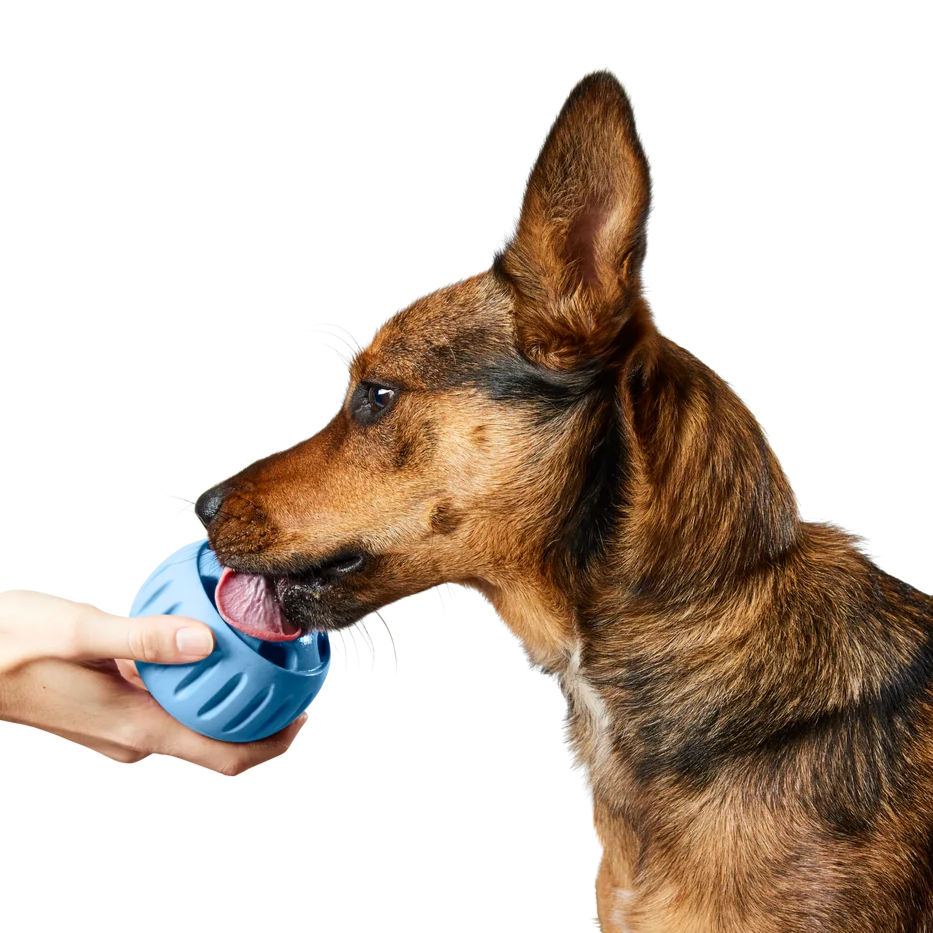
(575, 260)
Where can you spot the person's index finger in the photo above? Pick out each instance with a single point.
(156, 639)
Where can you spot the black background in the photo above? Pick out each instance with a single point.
(183, 236)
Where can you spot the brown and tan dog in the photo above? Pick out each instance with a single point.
(750, 695)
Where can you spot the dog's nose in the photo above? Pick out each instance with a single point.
(209, 504)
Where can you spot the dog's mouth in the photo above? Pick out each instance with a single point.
(276, 608)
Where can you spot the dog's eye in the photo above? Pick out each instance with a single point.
(379, 397)
(370, 401)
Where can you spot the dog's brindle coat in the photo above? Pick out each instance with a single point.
(750, 695)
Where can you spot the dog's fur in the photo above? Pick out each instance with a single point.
(750, 695)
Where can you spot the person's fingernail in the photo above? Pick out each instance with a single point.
(195, 641)
(302, 719)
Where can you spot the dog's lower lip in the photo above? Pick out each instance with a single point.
(310, 585)
(319, 611)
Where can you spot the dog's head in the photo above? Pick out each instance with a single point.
(480, 440)
(476, 441)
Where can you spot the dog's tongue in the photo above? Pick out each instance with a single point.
(246, 601)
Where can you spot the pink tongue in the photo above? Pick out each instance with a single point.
(246, 601)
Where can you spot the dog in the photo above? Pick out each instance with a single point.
(749, 694)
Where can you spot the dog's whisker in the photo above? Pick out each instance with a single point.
(353, 343)
(351, 347)
(359, 663)
(187, 508)
(326, 333)
(391, 641)
(343, 645)
(332, 346)
(341, 356)
(321, 327)
(370, 644)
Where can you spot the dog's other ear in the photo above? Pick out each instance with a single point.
(575, 260)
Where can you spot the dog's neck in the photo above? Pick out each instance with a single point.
(691, 508)
(694, 591)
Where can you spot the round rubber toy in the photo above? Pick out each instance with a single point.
(246, 689)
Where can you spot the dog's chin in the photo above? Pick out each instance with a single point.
(311, 607)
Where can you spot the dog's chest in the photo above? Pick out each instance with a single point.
(588, 718)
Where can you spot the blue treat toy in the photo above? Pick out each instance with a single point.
(246, 689)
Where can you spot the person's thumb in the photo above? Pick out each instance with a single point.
(34, 625)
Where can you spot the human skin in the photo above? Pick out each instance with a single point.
(68, 668)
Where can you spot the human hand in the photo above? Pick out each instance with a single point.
(58, 673)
